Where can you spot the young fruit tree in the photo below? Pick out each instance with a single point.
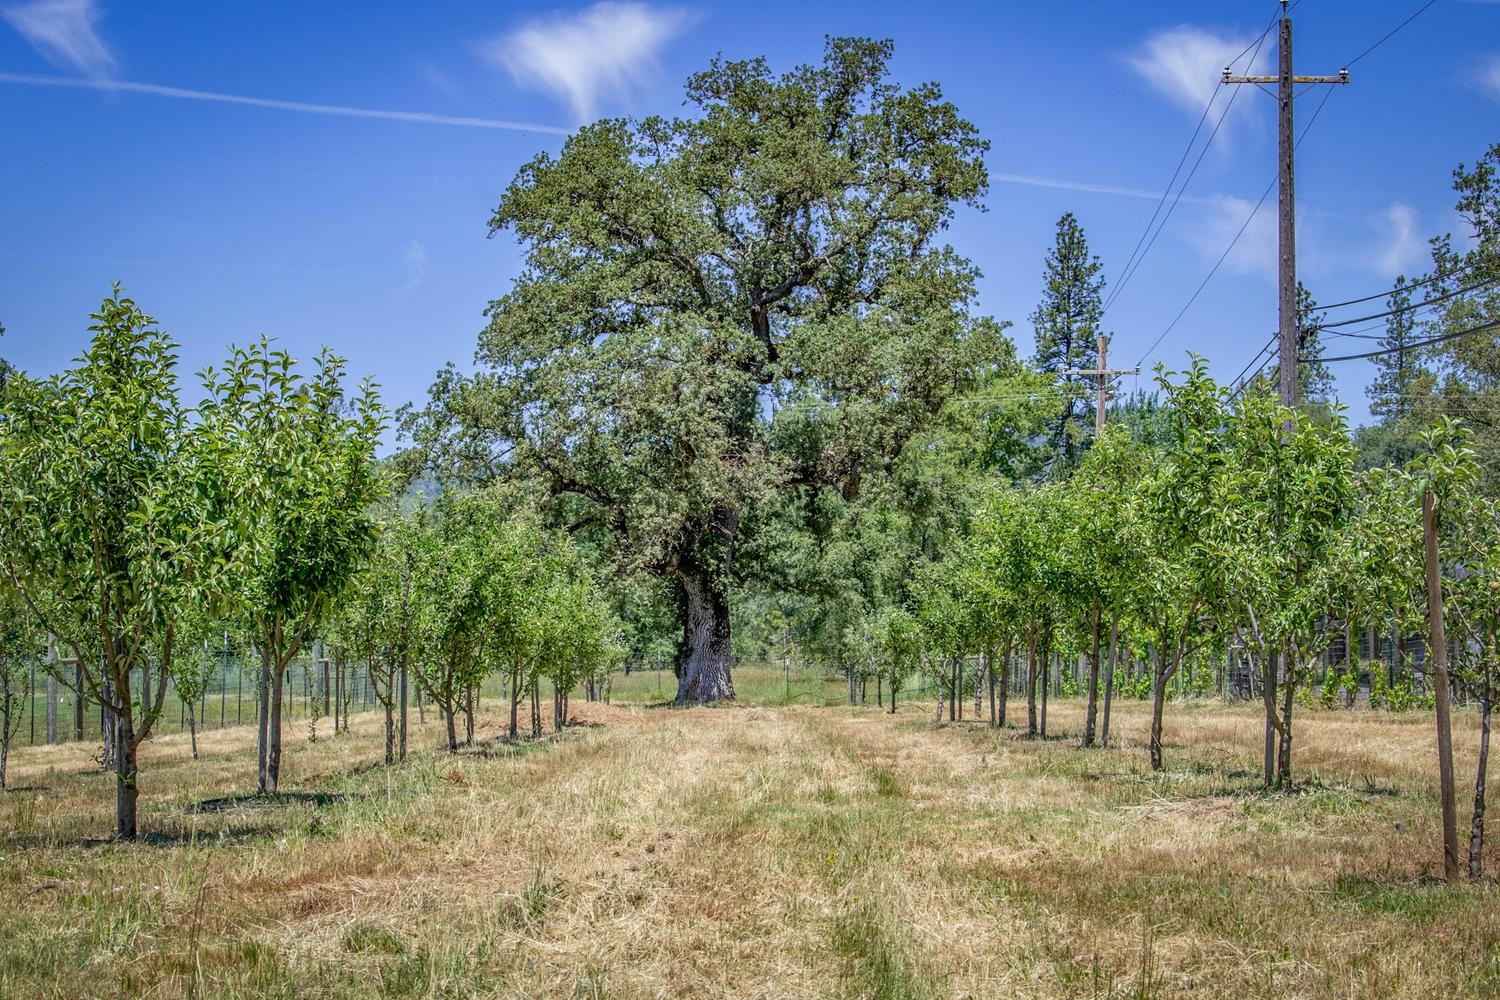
(1285, 500)
(110, 530)
(297, 455)
(1178, 597)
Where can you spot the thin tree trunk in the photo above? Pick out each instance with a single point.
(273, 737)
(1158, 703)
(263, 722)
(1004, 681)
(953, 691)
(405, 702)
(1109, 677)
(126, 773)
(515, 701)
(1031, 727)
(1284, 748)
(452, 729)
(1268, 661)
(989, 674)
(192, 729)
(469, 716)
(1092, 711)
(536, 709)
(1046, 663)
(1476, 824)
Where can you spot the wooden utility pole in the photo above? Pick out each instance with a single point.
(1103, 373)
(1286, 145)
(1437, 648)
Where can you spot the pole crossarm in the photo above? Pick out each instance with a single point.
(1103, 374)
(1341, 77)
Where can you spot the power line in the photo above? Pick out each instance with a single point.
(1270, 356)
(1138, 255)
(1224, 256)
(1386, 37)
(1469, 266)
(1419, 305)
(1481, 328)
(1241, 375)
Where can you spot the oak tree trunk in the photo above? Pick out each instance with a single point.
(703, 652)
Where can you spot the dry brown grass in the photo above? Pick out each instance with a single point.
(754, 852)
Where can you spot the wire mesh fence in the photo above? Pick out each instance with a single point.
(54, 710)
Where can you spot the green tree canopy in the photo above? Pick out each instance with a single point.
(687, 280)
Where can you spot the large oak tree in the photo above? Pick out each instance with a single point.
(686, 279)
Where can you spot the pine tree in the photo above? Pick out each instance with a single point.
(1067, 324)
(1314, 380)
(1392, 392)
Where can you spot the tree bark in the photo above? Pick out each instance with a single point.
(1109, 677)
(989, 674)
(1268, 698)
(1046, 662)
(272, 776)
(1091, 716)
(1158, 703)
(955, 690)
(405, 702)
(1284, 748)
(193, 729)
(263, 722)
(1004, 682)
(1437, 646)
(126, 772)
(703, 652)
(515, 701)
(469, 716)
(1031, 728)
(1476, 824)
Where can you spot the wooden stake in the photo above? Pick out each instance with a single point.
(1437, 643)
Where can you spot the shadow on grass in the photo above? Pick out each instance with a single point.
(235, 834)
(251, 801)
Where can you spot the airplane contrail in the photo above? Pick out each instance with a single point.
(1065, 185)
(181, 93)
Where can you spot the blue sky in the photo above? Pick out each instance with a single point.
(126, 155)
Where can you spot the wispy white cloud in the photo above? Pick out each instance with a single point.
(609, 47)
(157, 90)
(63, 31)
(1186, 65)
(1254, 251)
(1398, 246)
(415, 259)
(1488, 78)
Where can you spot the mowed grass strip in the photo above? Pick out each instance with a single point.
(753, 851)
